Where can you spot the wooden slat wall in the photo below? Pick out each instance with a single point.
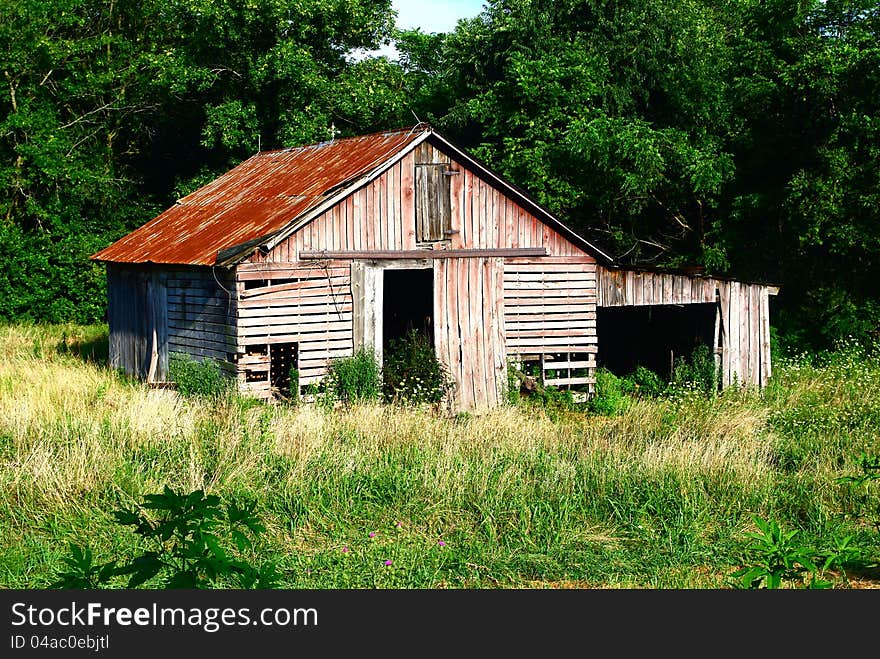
(617, 288)
(126, 315)
(381, 216)
(471, 294)
(154, 312)
(745, 313)
(469, 329)
(745, 330)
(315, 311)
(201, 308)
(550, 308)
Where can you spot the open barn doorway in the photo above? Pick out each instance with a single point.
(652, 336)
(407, 306)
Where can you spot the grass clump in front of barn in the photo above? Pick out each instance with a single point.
(659, 495)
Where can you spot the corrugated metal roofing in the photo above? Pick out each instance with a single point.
(254, 200)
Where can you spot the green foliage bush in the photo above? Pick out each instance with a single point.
(643, 382)
(412, 373)
(197, 378)
(355, 379)
(609, 397)
(699, 370)
(193, 540)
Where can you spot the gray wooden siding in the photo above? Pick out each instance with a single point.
(154, 312)
(201, 314)
(138, 340)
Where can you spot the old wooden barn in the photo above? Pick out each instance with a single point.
(301, 255)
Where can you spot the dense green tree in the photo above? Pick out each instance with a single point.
(804, 207)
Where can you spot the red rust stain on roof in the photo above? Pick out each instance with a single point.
(257, 198)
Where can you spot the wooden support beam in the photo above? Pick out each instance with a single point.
(423, 253)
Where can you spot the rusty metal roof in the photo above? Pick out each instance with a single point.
(256, 199)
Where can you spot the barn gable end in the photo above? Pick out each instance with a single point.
(506, 285)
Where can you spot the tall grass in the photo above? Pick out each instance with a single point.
(657, 496)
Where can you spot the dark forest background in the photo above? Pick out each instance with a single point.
(743, 136)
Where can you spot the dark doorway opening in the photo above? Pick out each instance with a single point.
(652, 336)
(407, 304)
(283, 360)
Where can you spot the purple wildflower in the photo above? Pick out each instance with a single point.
(441, 543)
(372, 534)
(345, 550)
(388, 562)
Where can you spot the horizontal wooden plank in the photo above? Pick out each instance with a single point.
(294, 310)
(214, 305)
(424, 253)
(302, 297)
(568, 284)
(314, 343)
(521, 307)
(195, 322)
(270, 266)
(293, 318)
(565, 365)
(201, 350)
(526, 351)
(200, 325)
(571, 344)
(206, 286)
(531, 275)
(304, 329)
(583, 258)
(557, 382)
(522, 315)
(575, 333)
(517, 268)
(190, 301)
(568, 323)
(254, 368)
(315, 356)
(250, 360)
(549, 292)
(225, 343)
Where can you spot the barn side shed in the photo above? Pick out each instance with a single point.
(732, 318)
(299, 256)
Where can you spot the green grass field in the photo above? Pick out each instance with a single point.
(659, 496)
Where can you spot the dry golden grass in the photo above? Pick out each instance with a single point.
(680, 474)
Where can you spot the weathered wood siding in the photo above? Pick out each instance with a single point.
(618, 288)
(154, 312)
(135, 314)
(469, 329)
(306, 304)
(743, 314)
(550, 311)
(201, 314)
(745, 333)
